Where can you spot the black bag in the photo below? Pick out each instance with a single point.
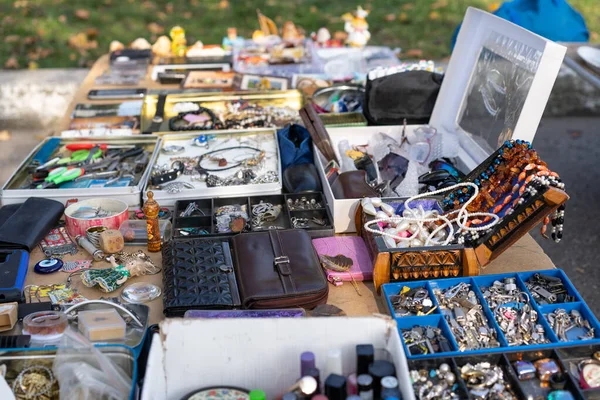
(198, 274)
(411, 95)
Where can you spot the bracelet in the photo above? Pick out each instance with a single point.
(193, 126)
(202, 169)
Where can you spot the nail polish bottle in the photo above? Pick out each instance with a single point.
(315, 373)
(365, 387)
(365, 354)
(307, 360)
(335, 387)
(334, 362)
(379, 369)
(389, 388)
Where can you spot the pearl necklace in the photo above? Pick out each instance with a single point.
(461, 219)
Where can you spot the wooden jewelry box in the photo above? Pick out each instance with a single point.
(434, 262)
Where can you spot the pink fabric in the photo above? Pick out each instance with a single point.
(350, 246)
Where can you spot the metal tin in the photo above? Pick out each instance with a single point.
(12, 194)
(216, 102)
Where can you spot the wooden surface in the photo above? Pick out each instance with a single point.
(524, 255)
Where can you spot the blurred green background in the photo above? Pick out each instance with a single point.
(59, 33)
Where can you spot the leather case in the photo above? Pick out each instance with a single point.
(23, 226)
(198, 274)
(352, 185)
(279, 269)
(353, 247)
(317, 131)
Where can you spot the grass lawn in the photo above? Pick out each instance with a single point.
(59, 33)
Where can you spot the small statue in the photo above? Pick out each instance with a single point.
(110, 279)
(140, 44)
(290, 33)
(178, 41)
(162, 47)
(357, 28)
(322, 37)
(151, 210)
(232, 40)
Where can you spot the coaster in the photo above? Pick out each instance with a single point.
(140, 292)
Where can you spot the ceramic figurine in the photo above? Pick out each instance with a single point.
(140, 44)
(290, 33)
(162, 47)
(357, 27)
(115, 45)
(232, 39)
(178, 41)
(151, 210)
(323, 36)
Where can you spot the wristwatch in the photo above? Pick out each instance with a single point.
(158, 115)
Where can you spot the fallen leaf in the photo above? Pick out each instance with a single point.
(223, 5)
(72, 56)
(313, 9)
(414, 53)
(62, 19)
(148, 5)
(187, 15)
(11, 39)
(108, 2)
(155, 28)
(271, 3)
(408, 6)
(29, 40)
(278, 19)
(32, 65)
(575, 134)
(594, 36)
(403, 17)
(5, 136)
(81, 42)
(92, 33)
(82, 14)
(493, 6)
(439, 4)
(390, 17)
(434, 16)
(169, 8)
(12, 63)
(194, 3)
(161, 15)
(580, 270)
(20, 4)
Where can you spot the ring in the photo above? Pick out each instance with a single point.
(171, 150)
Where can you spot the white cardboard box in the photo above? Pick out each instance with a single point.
(264, 353)
(535, 58)
(11, 194)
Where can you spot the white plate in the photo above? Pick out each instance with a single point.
(590, 55)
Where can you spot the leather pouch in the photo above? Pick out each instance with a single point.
(302, 178)
(278, 269)
(352, 185)
(23, 226)
(198, 274)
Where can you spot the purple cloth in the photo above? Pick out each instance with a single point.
(289, 313)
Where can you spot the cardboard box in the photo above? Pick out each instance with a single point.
(260, 353)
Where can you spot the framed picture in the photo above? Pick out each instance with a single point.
(261, 82)
(208, 80)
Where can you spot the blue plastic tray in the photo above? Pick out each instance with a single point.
(478, 282)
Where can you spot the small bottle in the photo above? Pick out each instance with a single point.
(307, 360)
(151, 210)
(257, 395)
(335, 387)
(379, 369)
(365, 354)
(334, 362)
(365, 387)
(389, 388)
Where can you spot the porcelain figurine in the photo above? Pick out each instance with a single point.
(357, 28)
(178, 41)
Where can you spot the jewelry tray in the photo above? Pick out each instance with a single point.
(265, 139)
(434, 262)
(283, 221)
(523, 389)
(437, 319)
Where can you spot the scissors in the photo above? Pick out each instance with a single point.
(60, 175)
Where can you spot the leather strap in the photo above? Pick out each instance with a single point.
(159, 114)
(282, 263)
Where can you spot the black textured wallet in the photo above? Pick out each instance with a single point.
(198, 274)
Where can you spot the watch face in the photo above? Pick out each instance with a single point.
(218, 393)
(591, 375)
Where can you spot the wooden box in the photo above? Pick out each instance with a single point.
(434, 262)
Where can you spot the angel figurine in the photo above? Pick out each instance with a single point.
(357, 28)
(110, 279)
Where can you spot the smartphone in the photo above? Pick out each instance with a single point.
(116, 94)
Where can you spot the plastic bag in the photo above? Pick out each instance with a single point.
(85, 373)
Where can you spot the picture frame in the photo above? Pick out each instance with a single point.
(262, 82)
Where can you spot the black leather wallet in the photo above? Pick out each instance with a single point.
(23, 226)
(198, 274)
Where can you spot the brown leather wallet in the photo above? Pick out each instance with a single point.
(278, 269)
(352, 185)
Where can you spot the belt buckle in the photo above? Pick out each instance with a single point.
(281, 260)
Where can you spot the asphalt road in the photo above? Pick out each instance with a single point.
(571, 147)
